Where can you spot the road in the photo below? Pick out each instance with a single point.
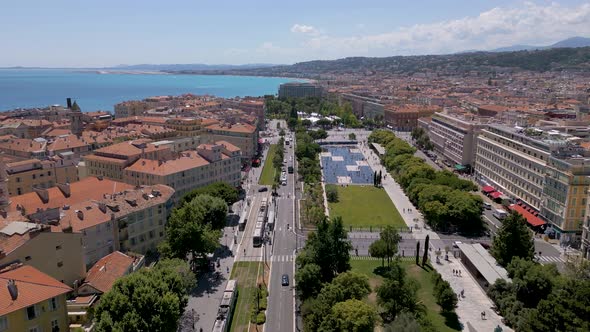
(281, 305)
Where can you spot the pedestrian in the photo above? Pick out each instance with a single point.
(454, 272)
(460, 273)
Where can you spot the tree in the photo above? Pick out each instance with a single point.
(214, 210)
(75, 106)
(147, 300)
(354, 316)
(417, 252)
(332, 194)
(188, 234)
(404, 322)
(398, 294)
(352, 136)
(309, 281)
(379, 178)
(378, 249)
(354, 285)
(425, 257)
(391, 238)
(513, 239)
(218, 189)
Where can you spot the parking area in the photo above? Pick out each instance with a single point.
(345, 165)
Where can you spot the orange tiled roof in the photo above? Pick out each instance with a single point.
(107, 270)
(189, 160)
(33, 287)
(86, 189)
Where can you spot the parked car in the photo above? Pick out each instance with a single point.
(262, 189)
(487, 205)
(285, 280)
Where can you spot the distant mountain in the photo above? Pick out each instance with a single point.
(570, 42)
(193, 66)
(555, 59)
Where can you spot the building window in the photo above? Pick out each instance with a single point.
(57, 247)
(53, 304)
(54, 325)
(60, 264)
(34, 176)
(31, 312)
(28, 258)
(34, 329)
(3, 323)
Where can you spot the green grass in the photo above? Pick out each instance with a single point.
(440, 322)
(268, 172)
(246, 274)
(364, 206)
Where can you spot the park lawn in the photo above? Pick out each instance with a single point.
(246, 274)
(425, 293)
(268, 171)
(364, 206)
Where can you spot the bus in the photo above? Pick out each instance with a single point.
(226, 307)
(257, 236)
(271, 220)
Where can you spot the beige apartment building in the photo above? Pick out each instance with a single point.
(50, 249)
(454, 137)
(192, 169)
(111, 161)
(242, 135)
(25, 175)
(567, 179)
(32, 301)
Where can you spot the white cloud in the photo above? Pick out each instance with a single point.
(305, 29)
(527, 23)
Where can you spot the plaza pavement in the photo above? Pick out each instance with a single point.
(475, 301)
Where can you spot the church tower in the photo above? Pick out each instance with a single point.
(75, 115)
(4, 197)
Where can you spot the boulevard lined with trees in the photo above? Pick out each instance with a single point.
(444, 199)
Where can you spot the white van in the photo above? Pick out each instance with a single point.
(500, 214)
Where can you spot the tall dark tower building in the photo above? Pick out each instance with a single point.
(75, 115)
(4, 198)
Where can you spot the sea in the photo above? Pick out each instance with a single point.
(100, 90)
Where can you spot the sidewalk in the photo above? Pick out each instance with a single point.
(469, 308)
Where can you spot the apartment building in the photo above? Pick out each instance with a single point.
(111, 161)
(242, 135)
(210, 163)
(565, 191)
(369, 108)
(249, 106)
(55, 251)
(513, 161)
(185, 127)
(32, 301)
(300, 90)
(454, 137)
(25, 175)
(405, 118)
(130, 108)
(104, 212)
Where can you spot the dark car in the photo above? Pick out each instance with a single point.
(285, 280)
(262, 189)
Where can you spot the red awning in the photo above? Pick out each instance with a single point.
(496, 194)
(530, 217)
(487, 189)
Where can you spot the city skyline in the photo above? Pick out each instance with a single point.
(71, 34)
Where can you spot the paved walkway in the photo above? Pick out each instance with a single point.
(469, 308)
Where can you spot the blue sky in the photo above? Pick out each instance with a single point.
(61, 33)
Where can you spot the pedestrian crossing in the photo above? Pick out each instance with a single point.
(549, 259)
(282, 258)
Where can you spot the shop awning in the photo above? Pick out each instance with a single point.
(531, 218)
(460, 167)
(488, 189)
(496, 194)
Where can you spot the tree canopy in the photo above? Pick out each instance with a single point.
(513, 239)
(148, 300)
(218, 189)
